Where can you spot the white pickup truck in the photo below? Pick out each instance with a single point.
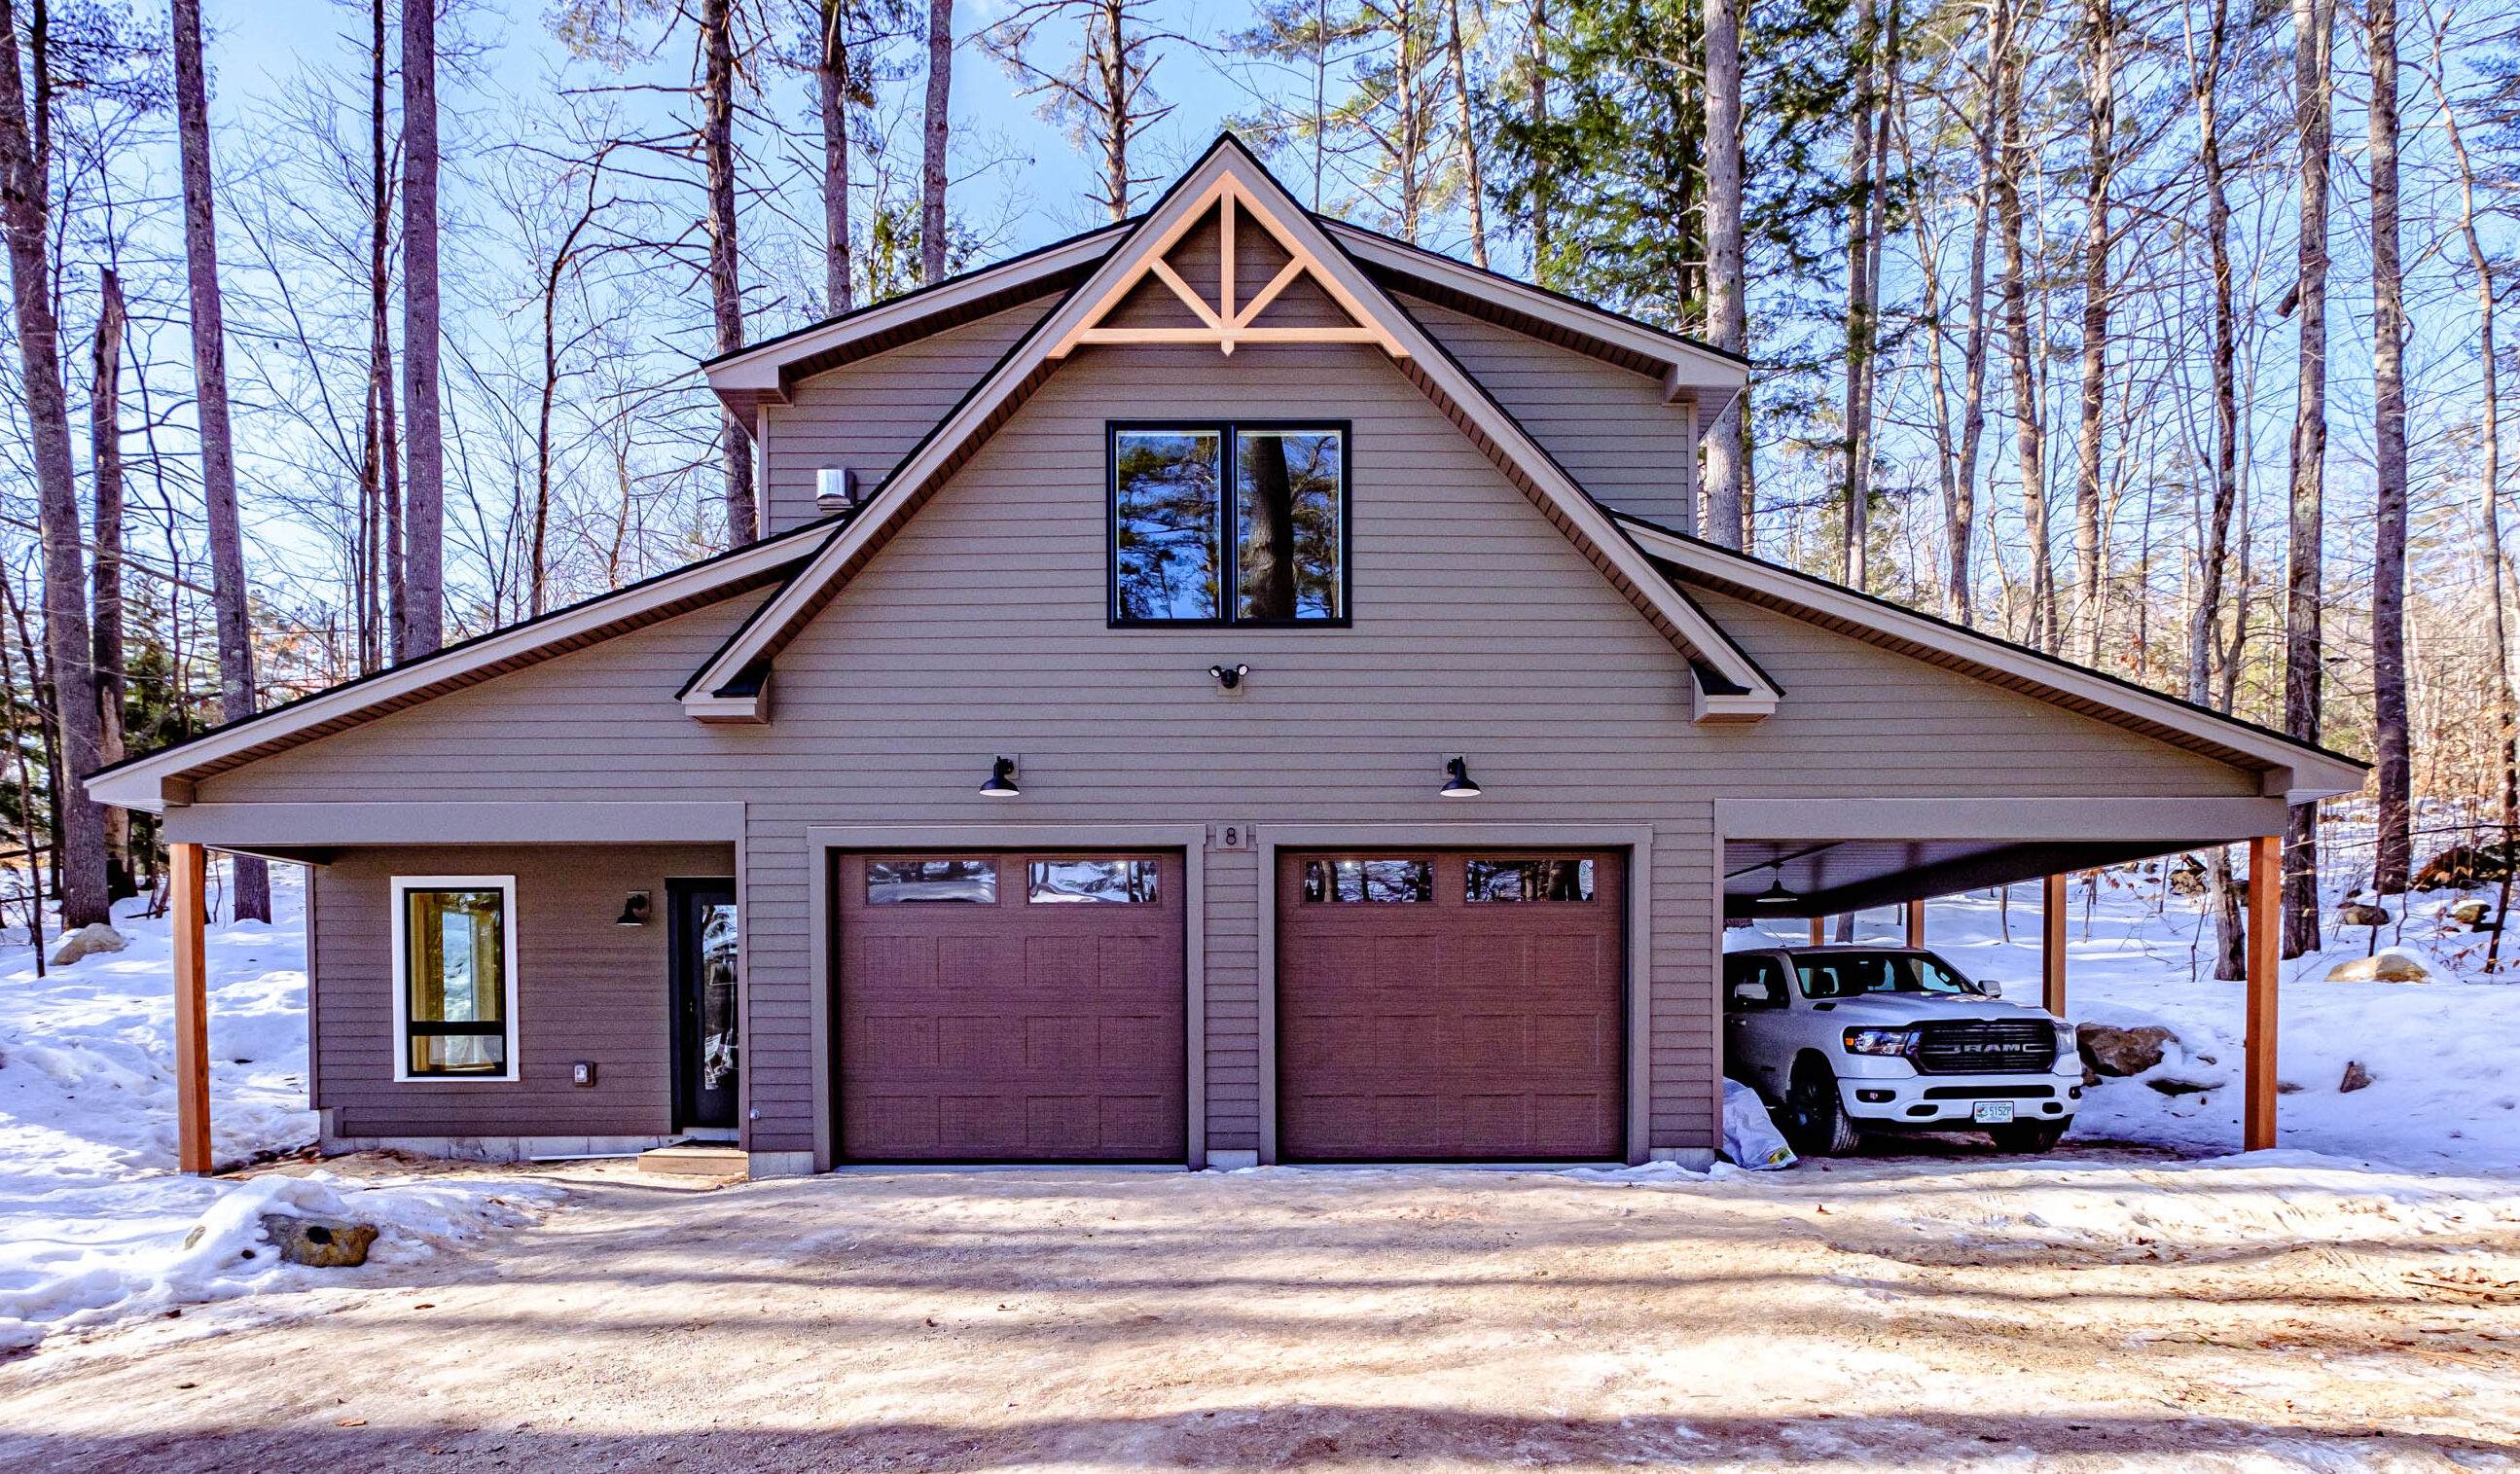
(1840, 1040)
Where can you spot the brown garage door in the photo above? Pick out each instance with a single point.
(1435, 1005)
(1010, 1008)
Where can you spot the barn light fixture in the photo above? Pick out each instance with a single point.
(1775, 894)
(1002, 780)
(634, 910)
(1458, 782)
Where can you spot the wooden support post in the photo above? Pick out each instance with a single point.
(188, 896)
(2052, 946)
(1915, 923)
(1820, 930)
(2258, 1046)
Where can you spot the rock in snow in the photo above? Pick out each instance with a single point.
(2391, 964)
(88, 941)
(2356, 1078)
(2123, 1051)
(319, 1243)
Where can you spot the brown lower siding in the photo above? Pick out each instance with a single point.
(587, 989)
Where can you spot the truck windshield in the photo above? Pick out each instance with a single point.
(1852, 974)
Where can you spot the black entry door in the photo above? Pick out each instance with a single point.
(705, 1033)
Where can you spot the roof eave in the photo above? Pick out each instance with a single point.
(749, 376)
(153, 781)
(2295, 770)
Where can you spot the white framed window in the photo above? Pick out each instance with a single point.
(455, 977)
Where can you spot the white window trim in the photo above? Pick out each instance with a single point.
(506, 885)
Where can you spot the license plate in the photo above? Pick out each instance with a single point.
(1993, 1112)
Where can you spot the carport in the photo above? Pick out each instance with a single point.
(1794, 858)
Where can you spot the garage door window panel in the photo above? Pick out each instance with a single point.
(1090, 882)
(1522, 879)
(1369, 883)
(931, 882)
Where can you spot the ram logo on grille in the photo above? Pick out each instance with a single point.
(2025, 1047)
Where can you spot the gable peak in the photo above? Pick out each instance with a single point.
(1248, 205)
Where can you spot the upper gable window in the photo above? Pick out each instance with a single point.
(1228, 525)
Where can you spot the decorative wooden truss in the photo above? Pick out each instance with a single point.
(1223, 322)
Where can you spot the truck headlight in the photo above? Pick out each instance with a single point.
(2066, 1043)
(1876, 1041)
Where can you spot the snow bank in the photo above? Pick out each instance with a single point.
(88, 1256)
(93, 1217)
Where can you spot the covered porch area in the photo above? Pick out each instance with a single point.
(1815, 859)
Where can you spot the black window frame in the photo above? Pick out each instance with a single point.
(1228, 498)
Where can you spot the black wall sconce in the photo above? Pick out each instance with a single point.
(1229, 677)
(1458, 782)
(634, 910)
(1002, 780)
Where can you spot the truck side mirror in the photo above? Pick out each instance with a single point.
(1990, 986)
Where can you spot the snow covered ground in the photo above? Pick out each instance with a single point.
(93, 1215)
(2443, 1057)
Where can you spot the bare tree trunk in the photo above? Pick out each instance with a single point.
(1963, 506)
(938, 131)
(2100, 93)
(24, 209)
(2393, 856)
(424, 510)
(2227, 405)
(2313, 35)
(387, 459)
(2488, 519)
(1862, 222)
(1118, 87)
(726, 298)
(831, 90)
(1541, 197)
(1727, 314)
(237, 695)
(2230, 940)
(2231, 928)
(1472, 186)
(2010, 152)
(104, 458)
(25, 780)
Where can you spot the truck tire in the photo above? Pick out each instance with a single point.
(2030, 1138)
(1815, 1123)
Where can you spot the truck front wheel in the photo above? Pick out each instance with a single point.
(1815, 1123)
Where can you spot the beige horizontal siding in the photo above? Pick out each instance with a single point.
(981, 630)
(866, 416)
(587, 989)
(1608, 427)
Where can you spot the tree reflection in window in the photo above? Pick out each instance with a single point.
(1369, 881)
(1286, 487)
(1170, 556)
(1528, 881)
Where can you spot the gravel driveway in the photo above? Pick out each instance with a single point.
(2102, 1313)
